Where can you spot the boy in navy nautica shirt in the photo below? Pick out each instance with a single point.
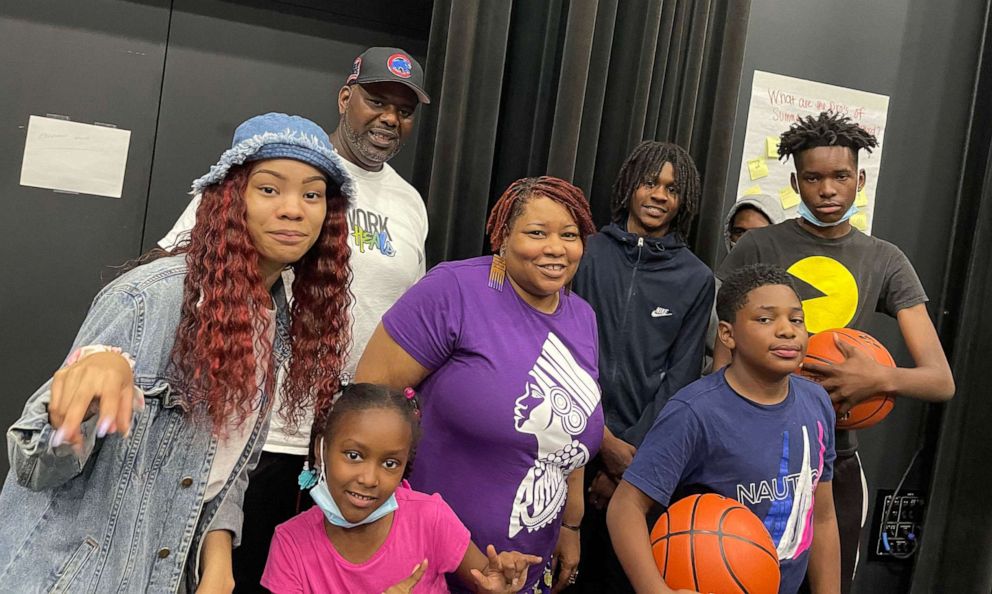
(753, 432)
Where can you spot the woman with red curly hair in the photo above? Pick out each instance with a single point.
(129, 467)
(505, 358)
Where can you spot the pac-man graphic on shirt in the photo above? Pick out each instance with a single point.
(836, 292)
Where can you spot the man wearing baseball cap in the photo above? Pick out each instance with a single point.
(388, 226)
(377, 104)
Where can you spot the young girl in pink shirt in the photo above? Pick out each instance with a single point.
(369, 532)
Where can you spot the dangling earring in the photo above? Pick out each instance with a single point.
(497, 271)
(307, 478)
(309, 475)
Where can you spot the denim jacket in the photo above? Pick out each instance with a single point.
(124, 514)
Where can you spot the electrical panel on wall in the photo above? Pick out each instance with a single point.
(897, 525)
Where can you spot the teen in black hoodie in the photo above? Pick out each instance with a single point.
(652, 298)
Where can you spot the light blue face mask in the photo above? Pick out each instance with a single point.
(807, 214)
(322, 497)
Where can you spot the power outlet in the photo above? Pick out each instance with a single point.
(897, 537)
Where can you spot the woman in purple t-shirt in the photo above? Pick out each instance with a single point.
(505, 358)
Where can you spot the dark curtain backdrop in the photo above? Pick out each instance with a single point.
(568, 89)
(956, 553)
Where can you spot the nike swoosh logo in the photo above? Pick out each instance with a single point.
(660, 312)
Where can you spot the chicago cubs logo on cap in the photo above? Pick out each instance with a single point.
(399, 64)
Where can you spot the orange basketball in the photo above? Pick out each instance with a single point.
(822, 350)
(709, 543)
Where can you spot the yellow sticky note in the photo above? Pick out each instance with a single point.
(861, 199)
(752, 191)
(771, 147)
(757, 168)
(860, 221)
(788, 197)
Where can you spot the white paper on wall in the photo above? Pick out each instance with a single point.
(74, 157)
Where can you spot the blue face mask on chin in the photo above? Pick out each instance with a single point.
(807, 214)
(322, 497)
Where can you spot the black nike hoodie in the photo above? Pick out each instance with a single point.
(652, 298)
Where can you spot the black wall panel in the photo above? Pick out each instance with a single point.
(92, 61)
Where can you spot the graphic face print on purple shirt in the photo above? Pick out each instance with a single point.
(555, 408)
(511, 406)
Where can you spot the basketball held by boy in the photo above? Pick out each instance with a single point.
(369, 532)
(753, 432)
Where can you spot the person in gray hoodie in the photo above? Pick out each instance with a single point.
(749, 212)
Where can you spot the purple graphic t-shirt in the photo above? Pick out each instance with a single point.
(511, 406)
(709, 439)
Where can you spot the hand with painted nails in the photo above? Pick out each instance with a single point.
(407, 585)
(100, 383)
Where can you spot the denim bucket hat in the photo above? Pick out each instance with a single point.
(281, 136)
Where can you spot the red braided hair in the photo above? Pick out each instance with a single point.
(223, 313)
(511, 205)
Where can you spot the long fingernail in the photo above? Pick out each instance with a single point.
(104, 427)
(58, 438)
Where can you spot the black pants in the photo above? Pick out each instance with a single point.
(273, 496)
(599, 569)
(849, 501)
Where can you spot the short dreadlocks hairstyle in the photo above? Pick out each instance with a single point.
(643, 165)
(733, 292)
(511, 205)
(826, 129)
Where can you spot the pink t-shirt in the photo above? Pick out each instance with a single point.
(303, 560)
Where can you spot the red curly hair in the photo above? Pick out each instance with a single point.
(224, 301)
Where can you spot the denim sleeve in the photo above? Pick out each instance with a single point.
(230, 515)
(112, 320)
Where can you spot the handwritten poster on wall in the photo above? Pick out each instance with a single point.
(777, 101)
